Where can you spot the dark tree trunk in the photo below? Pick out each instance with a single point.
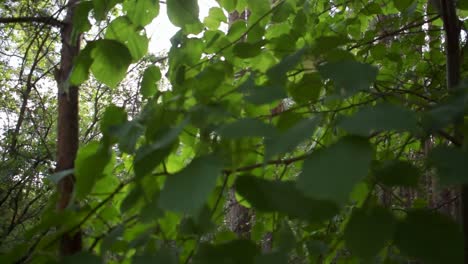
(67, 135)
(452, 27)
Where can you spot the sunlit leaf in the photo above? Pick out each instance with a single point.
(141, 12)
(125, 32)
(110, 61)
(214, 18)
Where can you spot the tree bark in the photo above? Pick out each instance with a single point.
(67, 136)
(452, 27)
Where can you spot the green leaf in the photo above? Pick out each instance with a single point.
(236, 252)
(82, 63)
(368, 230)
(101, 7)
(283, 197)
(397, 173)
(150, 156)
(287, 141)
(113, 116)
(307, 89)
(122, 30)
(331, 173)
(141, 12)
(92, 163)
(278, 72)
(265, 94)
(82, 257)
(382, 117)
(247, 50)
(402, 5)
(450, 163)
(284, 239)
(247, 128)
(56, 177)
(182, 12)
(372, 9)
(110, 61)
(214, 18)
(349, 76)
(430, 237)
(128, 134)
(188, 190)
(80, 20)
(272, 258)
(229, 5)
(151, 77)
(462, 4)
(165, 257)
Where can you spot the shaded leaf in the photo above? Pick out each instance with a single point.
(151, 76)
(235, 252)
(431, 237)
(150, 156)
(113, 116)
(402, 5)
(307, 90)
(101, 7)
(332, 172)
(382, 117)
(182, 12)
(247, 50)
(92, 163)
(283, 197)
(450, 163)
(82, 257)
(287, 141)
(368, 230)
(349, 76)
(187, 190)
(397, 173)
(80, 20)
(83, 62)
(247, 128)
(278, 72)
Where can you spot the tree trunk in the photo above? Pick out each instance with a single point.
(67, 135)
(452, 27)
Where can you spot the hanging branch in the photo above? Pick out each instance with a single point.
(44, 20)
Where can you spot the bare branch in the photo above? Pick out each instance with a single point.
(44, 20)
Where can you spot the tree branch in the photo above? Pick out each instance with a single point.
(44, 20)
